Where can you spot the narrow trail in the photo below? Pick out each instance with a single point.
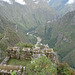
(38, 41)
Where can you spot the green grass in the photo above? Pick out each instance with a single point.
(18, 62)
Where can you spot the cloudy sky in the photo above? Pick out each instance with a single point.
(70, 1)
(23, 2)
(18, 1)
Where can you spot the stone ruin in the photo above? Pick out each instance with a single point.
(8, 69)
(25, 54)
(29, 53)
(13, 52)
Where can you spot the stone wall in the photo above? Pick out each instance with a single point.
(26, 54)
(5, 60)
(8, 69)
(13, 52)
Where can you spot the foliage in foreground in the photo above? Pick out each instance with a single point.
(64, 69)
(41, 66)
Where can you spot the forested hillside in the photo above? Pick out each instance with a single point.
(61, 35)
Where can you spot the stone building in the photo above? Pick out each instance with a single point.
(26, 54)
(13, 52)
(51, 55)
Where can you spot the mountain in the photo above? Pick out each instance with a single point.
(27, 14)
(11, 36)
(65, 31)
(61, 36)
(8, 36)
(17, 17)
(62, 6)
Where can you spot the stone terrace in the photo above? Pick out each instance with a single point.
(7, 69)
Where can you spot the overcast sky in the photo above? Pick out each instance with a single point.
(19, 1)
(23, 2)
(70, 1)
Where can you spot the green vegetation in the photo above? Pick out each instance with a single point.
(9, 37)
(13, 73)
(63, 69)
(18, 62)
(27, 18)
(61, 35)
(26, 45)
(55, 49)
(32, 39)
(21, 19)
(41, 66)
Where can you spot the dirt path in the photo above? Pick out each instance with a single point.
(38, 41)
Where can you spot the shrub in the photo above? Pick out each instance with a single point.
(20, 44)
(41, 66)
(63, 69)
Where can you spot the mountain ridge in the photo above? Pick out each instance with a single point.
(63, 7)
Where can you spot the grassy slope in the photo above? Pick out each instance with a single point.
(18, 62)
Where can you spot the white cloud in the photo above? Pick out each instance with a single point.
(70, 1)
(36, 2)
(33, 0)
(48, 1)
(8, 1)
(21, 2)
